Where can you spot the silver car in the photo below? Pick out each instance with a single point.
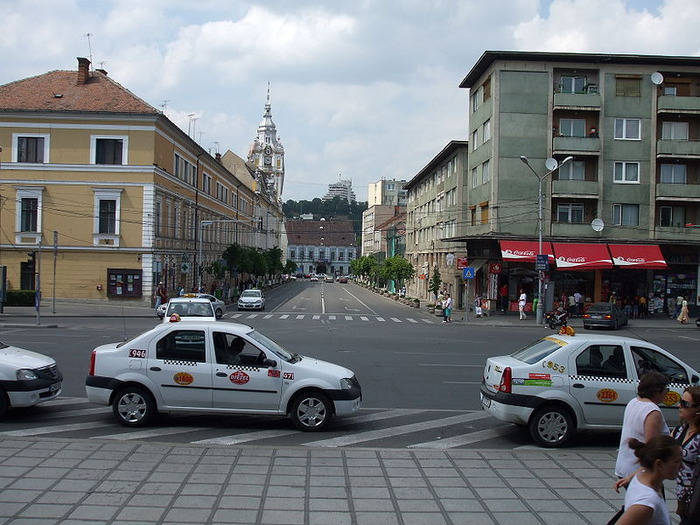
(251, 300)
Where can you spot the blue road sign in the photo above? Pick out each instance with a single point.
(542, 263)
(468, 273)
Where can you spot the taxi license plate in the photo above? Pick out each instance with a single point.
(485, 401)
(55, 387)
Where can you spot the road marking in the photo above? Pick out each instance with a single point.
(450, 365)
(316, 317)
(252, 316)
(52, 429)
(348, 317)
(468, 439)
(462, 382)
(359, 301)
(331, 317)
(380, 319)
(236, 316)
(65, 401)
(245, 438)
(301, 316)
(411, 320)
(267, 316)
(156, 432)
(371, 435)
(427, 321)
(363, 318)
(284, 316)
(77, 413)
(395, 319)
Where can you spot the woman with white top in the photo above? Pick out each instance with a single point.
(660, 459)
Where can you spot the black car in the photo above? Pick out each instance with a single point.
(604, 315)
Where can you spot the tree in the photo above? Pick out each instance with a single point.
(365, 266)
(435, 282)
(274, 261)
(290, 267)
(396, 268)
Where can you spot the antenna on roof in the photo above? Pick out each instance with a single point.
(88, 35)
(164, 105)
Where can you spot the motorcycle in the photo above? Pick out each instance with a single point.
(556, 318)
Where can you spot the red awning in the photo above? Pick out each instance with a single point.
(525, 251)
(637, 256)
(573, 256)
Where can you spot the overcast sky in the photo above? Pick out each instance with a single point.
(360, 89)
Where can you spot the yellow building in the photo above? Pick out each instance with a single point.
(110, 195)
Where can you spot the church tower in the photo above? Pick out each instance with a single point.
(266, 155)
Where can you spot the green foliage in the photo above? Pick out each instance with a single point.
(245, 259)
(290, 267)
(274, 261)
(333, 208)
(19, 298)
(365, 266)
(435, 282)
(396, 268)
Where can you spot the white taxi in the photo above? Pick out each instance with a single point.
(217, 367)
(26, 378)
(566, 382)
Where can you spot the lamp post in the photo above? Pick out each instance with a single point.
(552, 165)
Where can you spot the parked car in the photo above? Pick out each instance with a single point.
(218, 305)
(26, 378)
(189, 308)
(215, 367)
(313, 278)
(251, 300)
(328, 279)
(343, 280)
(562, 383)
(604, 315)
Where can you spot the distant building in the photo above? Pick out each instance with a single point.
(321, 246)
(342, 189)
(387, 193)
(374, 238)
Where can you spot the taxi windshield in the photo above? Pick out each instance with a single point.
(538, 350)
(270, 345)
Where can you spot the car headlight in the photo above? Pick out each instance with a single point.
(26, 375)
(346, 383)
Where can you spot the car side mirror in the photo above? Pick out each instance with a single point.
(270, 363)
(694, 379)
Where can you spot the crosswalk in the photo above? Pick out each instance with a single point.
(359, 318)
(76, 418)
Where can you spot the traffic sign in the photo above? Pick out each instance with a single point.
(542, 262)
(468, 273)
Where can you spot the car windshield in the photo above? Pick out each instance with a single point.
(250, 293)
(271, 345)
(538, 350)
(191, 309)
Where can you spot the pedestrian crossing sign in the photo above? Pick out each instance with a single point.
(468, 273)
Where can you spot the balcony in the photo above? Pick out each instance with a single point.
(574, 230)
(678, 191)
(578, 188)
(576, 145)
(583, 101)
(678, 148)
(676, 104)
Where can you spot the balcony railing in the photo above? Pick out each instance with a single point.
(681, 148)
(678, 190)
(576, 145)
(678, 104)
(577, 100)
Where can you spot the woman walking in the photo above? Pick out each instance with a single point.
(688, 436)
(683, 316)
(522, 301)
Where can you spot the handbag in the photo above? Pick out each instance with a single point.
(692, 513)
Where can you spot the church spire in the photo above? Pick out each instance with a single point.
(266, 153)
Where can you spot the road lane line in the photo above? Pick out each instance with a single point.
(359, 301)
(156, 432)
(284, 316)
(267, 316)
(245, 438)
(395, 319)
(52, 429)
(372, 435)
(348, 317)
(363, 318)
(380, 319)
(301, 316)
(468, 439)
(410, 320)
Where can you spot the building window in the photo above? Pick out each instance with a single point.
(628, 87)
(475, 139)
(674, 130)
(670, 91)
(572, 127)
(570, 213)
(341, 255)
(484, 213)
(626, 172)
(672, 216)
(107, 214)
(108, 150)
(574, 170)
(573, 84)
(29, 214)
(485, 172)
(475, 177)
(628, 128)
(487, 131)
(221, 192)
(477, 98)
(626, 214)
(292, 254)
(206, 184)
(673, 173)
(31, 148)
(311, 254)
(156, 217)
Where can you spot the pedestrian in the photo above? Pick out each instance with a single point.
(578, 298)
(660, 458)
(643, 312)
(613, 298)
(503, 294)
(161, 294)
(688, 436)
(522, 301)
(683, 315)
(478, 311)
(679, 305)
(180, 290)
(572, 306)
(447, 309)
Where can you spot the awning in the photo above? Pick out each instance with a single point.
(574, 256)
(525, 251)
(637, 256)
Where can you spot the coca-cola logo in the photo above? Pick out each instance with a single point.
(572, 259)
(521, 253)
(633, 260)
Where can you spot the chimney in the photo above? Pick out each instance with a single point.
(218, 157)
(83, 71)
(103, 71)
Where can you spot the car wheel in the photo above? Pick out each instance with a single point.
(311, 411)
(551, 426)
(219, 313)
(551, 325)
(4, 403)
(134, 406)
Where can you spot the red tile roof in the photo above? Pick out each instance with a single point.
(60, 91)
(334, 233)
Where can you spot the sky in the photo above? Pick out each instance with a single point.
(362, 90)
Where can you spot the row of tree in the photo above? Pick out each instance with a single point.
(335, 208)
(396, 269)
(245, 259)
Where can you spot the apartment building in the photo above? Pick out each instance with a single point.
(435, 216)
(374, 238)
(323, 247)
(613, 142)
(108, 195)
(386, 193)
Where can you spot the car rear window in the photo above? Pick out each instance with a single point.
(538, 350)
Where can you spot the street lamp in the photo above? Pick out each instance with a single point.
(552, 165)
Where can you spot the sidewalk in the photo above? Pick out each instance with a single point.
(49, 481)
